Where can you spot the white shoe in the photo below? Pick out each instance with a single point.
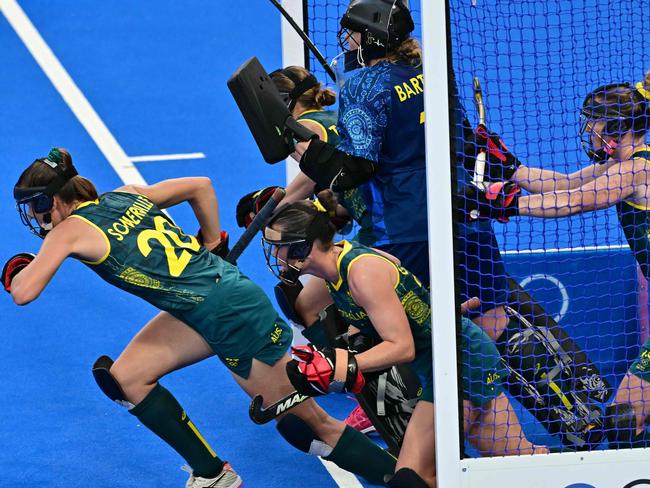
(226, 479)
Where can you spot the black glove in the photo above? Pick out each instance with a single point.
(500, 163)
(13, 266)
(498, 201)
(222, 248)
(250, 204)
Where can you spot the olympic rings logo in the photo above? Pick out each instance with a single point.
(552, 279)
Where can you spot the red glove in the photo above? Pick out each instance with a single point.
(13, 266)
(501, 164)
(317, 371)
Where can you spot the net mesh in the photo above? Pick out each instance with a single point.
(564, 305)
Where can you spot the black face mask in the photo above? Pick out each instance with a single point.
(596, 155)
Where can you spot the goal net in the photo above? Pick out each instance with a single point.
(563, 298)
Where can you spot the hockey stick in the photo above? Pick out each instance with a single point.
(479, 164)
(261, 415)
(258, 222)
(305, 38)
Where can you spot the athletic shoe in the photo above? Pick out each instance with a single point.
(226, 479)
(358, 420)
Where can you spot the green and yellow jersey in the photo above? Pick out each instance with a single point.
(150, 257)
(483, 372)
(635, 222)
(351, 200)
(413, 295)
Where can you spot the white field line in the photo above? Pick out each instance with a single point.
(108, 145)
(70, 93)
(342, 478)
(568, 249)
(166, 157)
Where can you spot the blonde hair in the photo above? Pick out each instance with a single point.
(408, 51)
(314, 98)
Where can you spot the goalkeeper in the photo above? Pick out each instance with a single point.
(389, 304)
(615, 124)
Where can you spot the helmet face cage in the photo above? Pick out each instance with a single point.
(586, 131)
(31, 201)
(296, 249)
(616, 123)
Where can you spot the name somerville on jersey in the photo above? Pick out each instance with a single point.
(129, 219)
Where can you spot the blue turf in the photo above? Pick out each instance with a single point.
(156, 74)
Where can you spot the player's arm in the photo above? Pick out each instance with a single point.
(354, 160)
(538, 180)
(59, 243)
(317, 129)
(615, 184)
(197, 191)
(371, 282)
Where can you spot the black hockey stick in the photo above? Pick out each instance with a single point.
(305, 38)
(261, 415)
(258, 222)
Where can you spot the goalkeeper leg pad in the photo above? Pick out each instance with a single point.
(542, 379)
(584, 374)
(406, 478)
(107, 383)
(296, 432)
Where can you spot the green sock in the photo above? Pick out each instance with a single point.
(163, 415)
(356, 453)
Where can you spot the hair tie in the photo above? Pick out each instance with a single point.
(54, 156)
(319, 206)
(640, 87)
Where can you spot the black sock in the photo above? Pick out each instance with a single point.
(163, 415)
(406, 478)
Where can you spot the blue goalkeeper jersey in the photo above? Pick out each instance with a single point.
(381, 118)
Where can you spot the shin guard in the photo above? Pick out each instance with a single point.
(550, 375)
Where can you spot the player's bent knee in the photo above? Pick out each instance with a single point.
(406, 478)
(298, 433)
(107, 382)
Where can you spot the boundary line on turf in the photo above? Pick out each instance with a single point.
(70, 93)
(106, 142)
(166, 157)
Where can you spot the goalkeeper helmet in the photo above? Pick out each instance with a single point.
(383, 25)
(622, 108)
